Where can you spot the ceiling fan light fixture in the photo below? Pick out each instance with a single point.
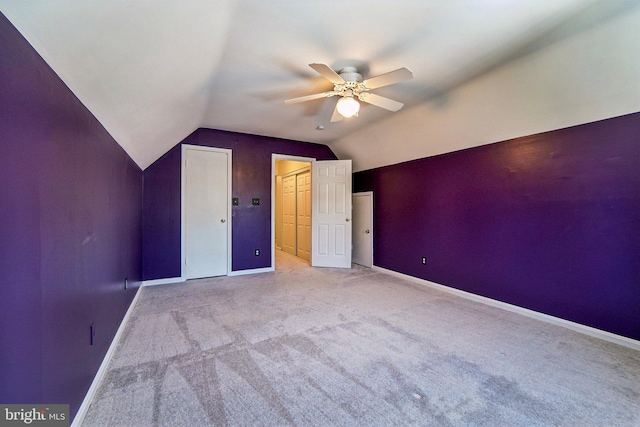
(348, 84)
(347, 106)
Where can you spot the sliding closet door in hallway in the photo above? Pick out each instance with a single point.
(289, 214)
(303, 213)
(206, 225)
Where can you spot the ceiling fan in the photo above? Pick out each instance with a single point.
(349, 85)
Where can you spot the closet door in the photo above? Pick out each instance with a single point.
(303, 189)
(363, 229)
(289, 214)
(206, 225)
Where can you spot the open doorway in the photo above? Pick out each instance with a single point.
(329, 197)
(291, 210)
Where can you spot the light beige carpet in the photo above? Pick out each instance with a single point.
(332, 347)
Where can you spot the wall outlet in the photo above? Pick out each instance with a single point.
(255, 201)
(257, 252)
(424, 260)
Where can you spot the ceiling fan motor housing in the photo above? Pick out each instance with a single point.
(350, 74)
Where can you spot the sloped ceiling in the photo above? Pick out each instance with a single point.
(152, 71)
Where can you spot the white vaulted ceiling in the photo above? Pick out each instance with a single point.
(153, 71)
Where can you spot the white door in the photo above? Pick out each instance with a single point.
(206, 189)
(289, 214)
(331, 214)
(363, 228)
(303, 212)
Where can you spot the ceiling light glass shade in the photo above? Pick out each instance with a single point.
(347, 106)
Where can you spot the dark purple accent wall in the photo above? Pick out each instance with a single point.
(70, 209)
(549, 222)
(251, 177)
(161, 217)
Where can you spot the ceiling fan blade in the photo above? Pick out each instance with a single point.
(380, 101)
(336, 117)
(309, 97)
(389, 78)
(327, 73)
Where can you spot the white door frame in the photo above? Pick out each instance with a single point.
(275, 157)
(183, 184)
(368, 194)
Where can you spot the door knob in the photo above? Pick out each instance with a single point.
(347, 219)
(367, 231)
(223, 220)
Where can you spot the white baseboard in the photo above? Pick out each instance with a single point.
(182, 279)
(162, 281)
(588, 330)
(251, 271)
(82, 412)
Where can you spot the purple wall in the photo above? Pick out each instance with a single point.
(71, 232)
(550, 222)
(251, 177)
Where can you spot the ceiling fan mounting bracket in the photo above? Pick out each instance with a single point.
(350, 75)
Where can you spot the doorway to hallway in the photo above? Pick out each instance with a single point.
(327, 192)
(293, 208)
